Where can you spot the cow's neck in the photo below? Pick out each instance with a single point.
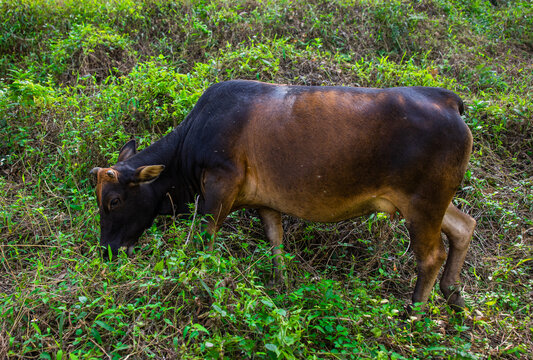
(171, 187)
(161, 152)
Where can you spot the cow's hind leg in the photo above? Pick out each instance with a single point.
(459, 228)
(274, 232)
(429, 251)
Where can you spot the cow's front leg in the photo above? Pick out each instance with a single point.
(220, 188)
(274, 232)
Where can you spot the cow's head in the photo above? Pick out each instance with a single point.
(126, 199)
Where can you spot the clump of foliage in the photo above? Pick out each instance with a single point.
(79, 79)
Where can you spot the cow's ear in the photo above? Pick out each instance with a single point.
(148, 173)
(127, 151)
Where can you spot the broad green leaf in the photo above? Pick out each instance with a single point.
(104, 325)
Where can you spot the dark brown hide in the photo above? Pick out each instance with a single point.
(319, 153)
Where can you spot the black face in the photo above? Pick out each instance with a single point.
(126, 210)
(127, 200)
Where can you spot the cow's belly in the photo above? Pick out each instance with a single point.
(324, 205)
(336, 211)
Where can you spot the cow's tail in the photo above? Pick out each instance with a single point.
(460, 105)
(454, 99)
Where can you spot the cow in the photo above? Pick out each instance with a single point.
(318, 153)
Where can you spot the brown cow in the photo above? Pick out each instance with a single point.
(318, 153)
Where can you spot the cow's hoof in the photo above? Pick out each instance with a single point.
(456, 302)
(278, 281)
(413, 312)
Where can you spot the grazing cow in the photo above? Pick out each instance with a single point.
(318, 153)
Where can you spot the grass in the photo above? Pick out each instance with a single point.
(79, 79)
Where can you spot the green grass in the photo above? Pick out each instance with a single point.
(79, 79)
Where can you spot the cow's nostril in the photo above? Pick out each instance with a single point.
(130, 250)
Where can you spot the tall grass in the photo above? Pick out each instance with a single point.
(79, 79)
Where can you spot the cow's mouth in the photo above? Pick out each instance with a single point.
(126, 246)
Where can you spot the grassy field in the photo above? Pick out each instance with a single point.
(79, 79)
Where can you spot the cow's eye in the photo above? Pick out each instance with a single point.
(114, 203)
